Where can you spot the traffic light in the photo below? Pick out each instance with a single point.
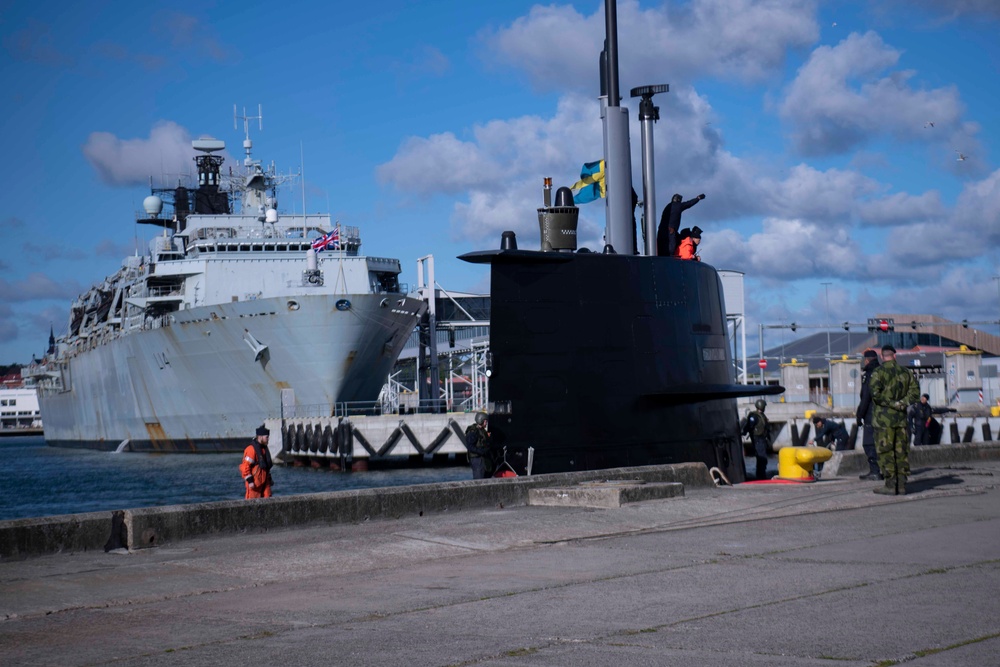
(913, 325)
(883, 325)
(794, 327)
(965, 324)
(847, 326)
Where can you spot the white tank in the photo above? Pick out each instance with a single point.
(270, 215)
(311, 259)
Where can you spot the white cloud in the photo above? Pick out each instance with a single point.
(902, 208)
(167, 152)
(739, 39)
(807, 192)
(977, 212)
(845, 95)
(786, 249)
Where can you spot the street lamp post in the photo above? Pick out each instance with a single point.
(826, 286)
(997, 278)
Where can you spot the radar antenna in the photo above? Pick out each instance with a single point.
(247, 144)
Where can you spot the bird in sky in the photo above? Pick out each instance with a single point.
(961, 156)
(929, 123)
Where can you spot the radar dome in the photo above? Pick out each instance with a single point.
(153, 205)
(270, 215)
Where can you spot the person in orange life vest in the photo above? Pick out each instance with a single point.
(681, 235)
(256, 466)
(689, 247)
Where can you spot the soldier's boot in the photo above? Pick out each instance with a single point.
(889, 489)
(900, 486)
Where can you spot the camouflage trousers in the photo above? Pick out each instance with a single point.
(893, 447)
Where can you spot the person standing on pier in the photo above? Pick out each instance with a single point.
(893, 390)
(865, 415)
(920, 414)
(479, 443)
(759, 431)
(256, 465)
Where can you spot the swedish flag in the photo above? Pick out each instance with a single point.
(591, 184)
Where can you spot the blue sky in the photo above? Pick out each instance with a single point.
(431, 125)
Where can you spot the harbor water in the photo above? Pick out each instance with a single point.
(43, 481)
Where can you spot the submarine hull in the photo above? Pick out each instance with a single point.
(603, 361)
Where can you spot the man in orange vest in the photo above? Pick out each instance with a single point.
(256, 466)
(688, 249)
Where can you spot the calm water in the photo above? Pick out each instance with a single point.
(42, 481)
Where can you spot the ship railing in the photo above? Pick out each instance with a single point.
(374, 408)
(166, 290)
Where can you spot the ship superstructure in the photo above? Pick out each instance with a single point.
(237, 313)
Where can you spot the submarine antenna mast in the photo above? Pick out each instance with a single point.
(648, 114)
(618, 232)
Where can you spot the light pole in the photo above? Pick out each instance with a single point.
(829, 370)
(826, 286)
(997, 278)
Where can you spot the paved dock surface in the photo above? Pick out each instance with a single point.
(821, 574)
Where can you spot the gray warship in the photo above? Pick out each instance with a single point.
(237, 313)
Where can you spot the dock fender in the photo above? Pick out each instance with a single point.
(327, 445)
(300, 438)
(311, 439)
(286, 446)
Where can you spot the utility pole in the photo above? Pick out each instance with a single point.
(826, 286)
(997, 278)
(829, 369)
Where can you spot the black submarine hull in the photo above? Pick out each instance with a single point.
(604, 361)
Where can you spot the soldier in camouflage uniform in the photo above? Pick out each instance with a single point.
(893, 389)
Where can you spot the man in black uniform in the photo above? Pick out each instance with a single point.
(866, 416)
(920, 420)
(670, 222)
(479, 443)
(759, 431)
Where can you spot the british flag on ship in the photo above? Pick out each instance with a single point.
(329, 241)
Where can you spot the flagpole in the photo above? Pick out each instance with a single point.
(302, 168)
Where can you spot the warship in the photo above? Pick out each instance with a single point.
(237, 313)
(610, 359)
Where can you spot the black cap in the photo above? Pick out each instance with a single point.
(871, 354)
(888, 348)
(262, 430)
(927, 396)
(696, 232)
(686, 232)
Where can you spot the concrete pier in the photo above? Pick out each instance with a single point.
(784, 574)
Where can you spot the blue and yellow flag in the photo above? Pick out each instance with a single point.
(591, 184)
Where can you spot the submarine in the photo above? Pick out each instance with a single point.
(610, 359)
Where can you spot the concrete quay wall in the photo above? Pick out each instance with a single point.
(154, 526)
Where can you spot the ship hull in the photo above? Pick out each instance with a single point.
(205, 382)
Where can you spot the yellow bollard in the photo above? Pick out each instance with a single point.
(796, 463)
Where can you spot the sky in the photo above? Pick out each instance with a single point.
(847, 149)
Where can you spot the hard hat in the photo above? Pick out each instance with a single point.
(481, 418)
(760, 404)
